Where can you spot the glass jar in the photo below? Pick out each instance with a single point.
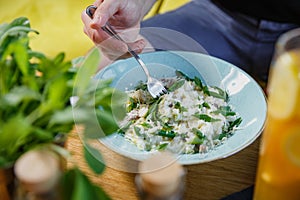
(161, 177)
(278, 174)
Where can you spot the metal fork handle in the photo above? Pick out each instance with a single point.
(108, 29)
(90, 10)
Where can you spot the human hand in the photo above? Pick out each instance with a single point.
(125, 17)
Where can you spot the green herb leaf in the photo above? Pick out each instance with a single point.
(180, 74)
(178, 84)
(167, 127)
(222, 135)
(146, 125)
(225, 111)
(199, 136)
(198, 133)
(234, 124)
(132, 104)
(220, 94)
(197, 140)
(141, 86)
(179, 107)
(123, 129)
(152, 111)
(169, 134)
(206, 118)
(204, 105)
(162, 146)
(137, 130)
(199, 83)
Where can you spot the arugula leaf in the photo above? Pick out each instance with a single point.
(199, 136)
(229, 130)
(234, 124)
(152, 111)
(223, 135)
(220, 94)
(204, 105)
(197, 140)
(137, 130)
(123, 129)
(167, 127)
(146, 125)
(199, 83)
(141, 86)
(180, 74)
(198, 133)
(180, 107)
(178, 84)
(206, 118)
(225, 111)
(132, 104)
(169, 134)
(162, 146)
(196, 80)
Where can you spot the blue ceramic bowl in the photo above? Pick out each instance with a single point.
(245, 95)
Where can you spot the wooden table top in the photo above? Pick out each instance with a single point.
(210, 181)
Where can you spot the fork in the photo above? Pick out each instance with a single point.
(154, 86)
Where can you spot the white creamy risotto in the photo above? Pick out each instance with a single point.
(190, 118)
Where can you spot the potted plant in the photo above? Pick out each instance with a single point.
(42, 98)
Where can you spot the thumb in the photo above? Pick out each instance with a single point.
(104, 12)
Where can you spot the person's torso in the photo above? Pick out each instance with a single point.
(274, 10)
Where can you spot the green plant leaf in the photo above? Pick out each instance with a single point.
(64, 116)
(20, 52)
(20, 94)
(107, 122)
(94, 158)
(13, 134)
(87, 69)
(98, 124)
(77, 186)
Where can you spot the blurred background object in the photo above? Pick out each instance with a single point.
(59, 23)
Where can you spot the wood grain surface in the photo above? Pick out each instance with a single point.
(207, 181)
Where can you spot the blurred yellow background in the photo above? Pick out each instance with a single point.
(59, 23)
(162, 6)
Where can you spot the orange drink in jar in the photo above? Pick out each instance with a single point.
(278, 174)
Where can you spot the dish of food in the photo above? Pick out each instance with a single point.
(237, 122)
(190, 118)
